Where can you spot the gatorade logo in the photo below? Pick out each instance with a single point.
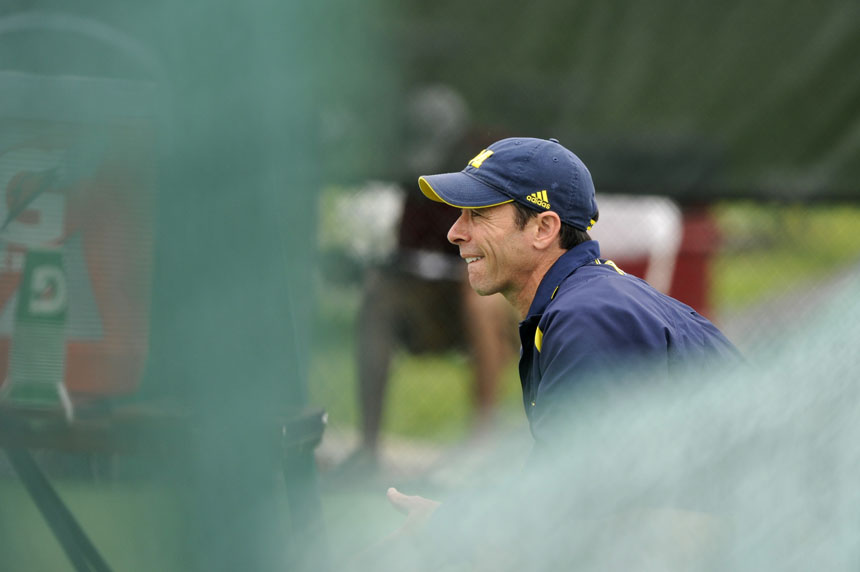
(48, 296)
(539, 198)
(479, 159)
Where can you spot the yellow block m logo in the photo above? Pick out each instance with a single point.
(479, 159)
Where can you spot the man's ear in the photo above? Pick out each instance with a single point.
(547, 229)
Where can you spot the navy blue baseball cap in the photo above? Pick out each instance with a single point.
(540, 174)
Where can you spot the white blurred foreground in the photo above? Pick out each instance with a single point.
(752, 469)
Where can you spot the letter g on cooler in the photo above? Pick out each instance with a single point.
(48, 292)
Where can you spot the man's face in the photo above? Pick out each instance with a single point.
(497, 253)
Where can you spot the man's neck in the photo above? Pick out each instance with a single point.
(522, 299)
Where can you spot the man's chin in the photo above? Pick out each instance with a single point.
(482, 289)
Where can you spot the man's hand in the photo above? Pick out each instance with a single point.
(398, 547)
(417, 510)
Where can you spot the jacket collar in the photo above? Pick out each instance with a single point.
(567, 263)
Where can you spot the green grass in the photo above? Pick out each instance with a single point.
(428, 395)
(770, 249)
(134, 527)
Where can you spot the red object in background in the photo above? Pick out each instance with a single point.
(89, 192)
(691, 279)
(691, 283)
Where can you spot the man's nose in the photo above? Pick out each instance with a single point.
(457, 232)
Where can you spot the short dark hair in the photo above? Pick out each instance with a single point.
(568, 237)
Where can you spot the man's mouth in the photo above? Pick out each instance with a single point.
(471, 259)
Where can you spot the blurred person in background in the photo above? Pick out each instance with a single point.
(420, 299)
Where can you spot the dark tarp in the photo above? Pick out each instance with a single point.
(691, 98)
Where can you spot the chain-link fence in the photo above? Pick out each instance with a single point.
(212, 241)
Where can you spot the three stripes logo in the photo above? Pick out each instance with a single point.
(539, 198)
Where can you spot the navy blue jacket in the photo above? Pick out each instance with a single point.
(588, 319)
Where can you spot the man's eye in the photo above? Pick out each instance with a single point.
(476, 214)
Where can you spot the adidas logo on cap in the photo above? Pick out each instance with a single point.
(539, 198)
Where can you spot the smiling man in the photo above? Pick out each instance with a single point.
(524, 203)
(526, 206)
